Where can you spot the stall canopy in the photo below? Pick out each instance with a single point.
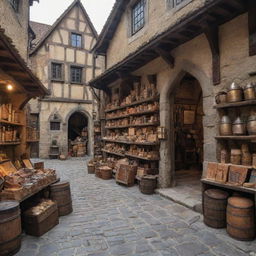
(12, 64)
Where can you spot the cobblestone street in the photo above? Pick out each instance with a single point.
(112, 220)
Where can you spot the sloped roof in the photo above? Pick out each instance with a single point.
(12, 63)
(110, 26)
(59, 20)
(40, 31)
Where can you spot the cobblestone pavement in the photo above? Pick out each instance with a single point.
(112, 220)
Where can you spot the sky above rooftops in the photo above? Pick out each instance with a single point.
(47, 11)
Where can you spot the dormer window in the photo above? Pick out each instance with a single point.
(15, 5)
(138, 16)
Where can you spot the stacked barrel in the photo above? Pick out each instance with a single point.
(236, 213)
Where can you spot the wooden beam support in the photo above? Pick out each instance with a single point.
(152, 79)
(166, 56)
(252, 26)
(212, 35)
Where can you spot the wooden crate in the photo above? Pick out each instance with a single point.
(126, 174)
(39, 224)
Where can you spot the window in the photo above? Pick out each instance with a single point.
(76, 75)
(55, 126)
(178, 3)
(15, 5)
(138, 16)
(56, 71)
(76, 40)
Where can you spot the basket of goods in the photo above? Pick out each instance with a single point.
(105, 172)
(41, 218)
(221, 97)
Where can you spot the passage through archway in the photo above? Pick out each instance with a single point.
(188, 131)
(78, 135)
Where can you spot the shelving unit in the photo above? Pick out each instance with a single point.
(245, 103)
(131, 127)
(10, 123)
(234, 137)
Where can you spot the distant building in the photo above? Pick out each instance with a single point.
(62, 59)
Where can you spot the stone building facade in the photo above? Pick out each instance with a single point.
(209, 40)
(62, 60)
(14, 20)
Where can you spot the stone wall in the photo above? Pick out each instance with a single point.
(16, 24)
(195, 58)
(64, 111)
(159, 17)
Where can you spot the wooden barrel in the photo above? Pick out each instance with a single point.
(148, 184)
(10, 228)
(105, 172)
(91, 168)
(215, 204)
(60, 193)
(240, 218)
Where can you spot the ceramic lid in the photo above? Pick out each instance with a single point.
(234, 86)
(252, 118)
(225, 120)
(249, 85)
(238, 120)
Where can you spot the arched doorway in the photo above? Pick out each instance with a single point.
(187, 126)
(78, 134)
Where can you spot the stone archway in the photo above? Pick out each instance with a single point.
(166, 165)
(89, 125)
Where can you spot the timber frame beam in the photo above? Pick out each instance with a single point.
(252, 26)
(212, 35)
(166, 56)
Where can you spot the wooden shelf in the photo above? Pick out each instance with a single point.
(134, 114)
(142, 158)
(132, 142)
(10, 123)
(131, 125)
(113, 153)
(229, 186)
(10, 143)
(155, 98)
(32, 141)
(245, 103)
(245, 137)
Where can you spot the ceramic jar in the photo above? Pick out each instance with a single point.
(225, 127)
(249, 92)
(251, 124)
(239, 126)
(221, 97)
(235, 93)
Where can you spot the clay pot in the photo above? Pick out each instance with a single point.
(251, 124)
(225, 127)
(249, 92)
(239, 127)
(221, 97)
(235, 93)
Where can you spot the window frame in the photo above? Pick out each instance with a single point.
(15, 4)
(142, 4)
(81, 74)
(61, 79)
(54, 122)
(172, 4)
(71, 39)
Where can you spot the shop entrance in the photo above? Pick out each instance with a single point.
(78, 135)
(188, 131)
